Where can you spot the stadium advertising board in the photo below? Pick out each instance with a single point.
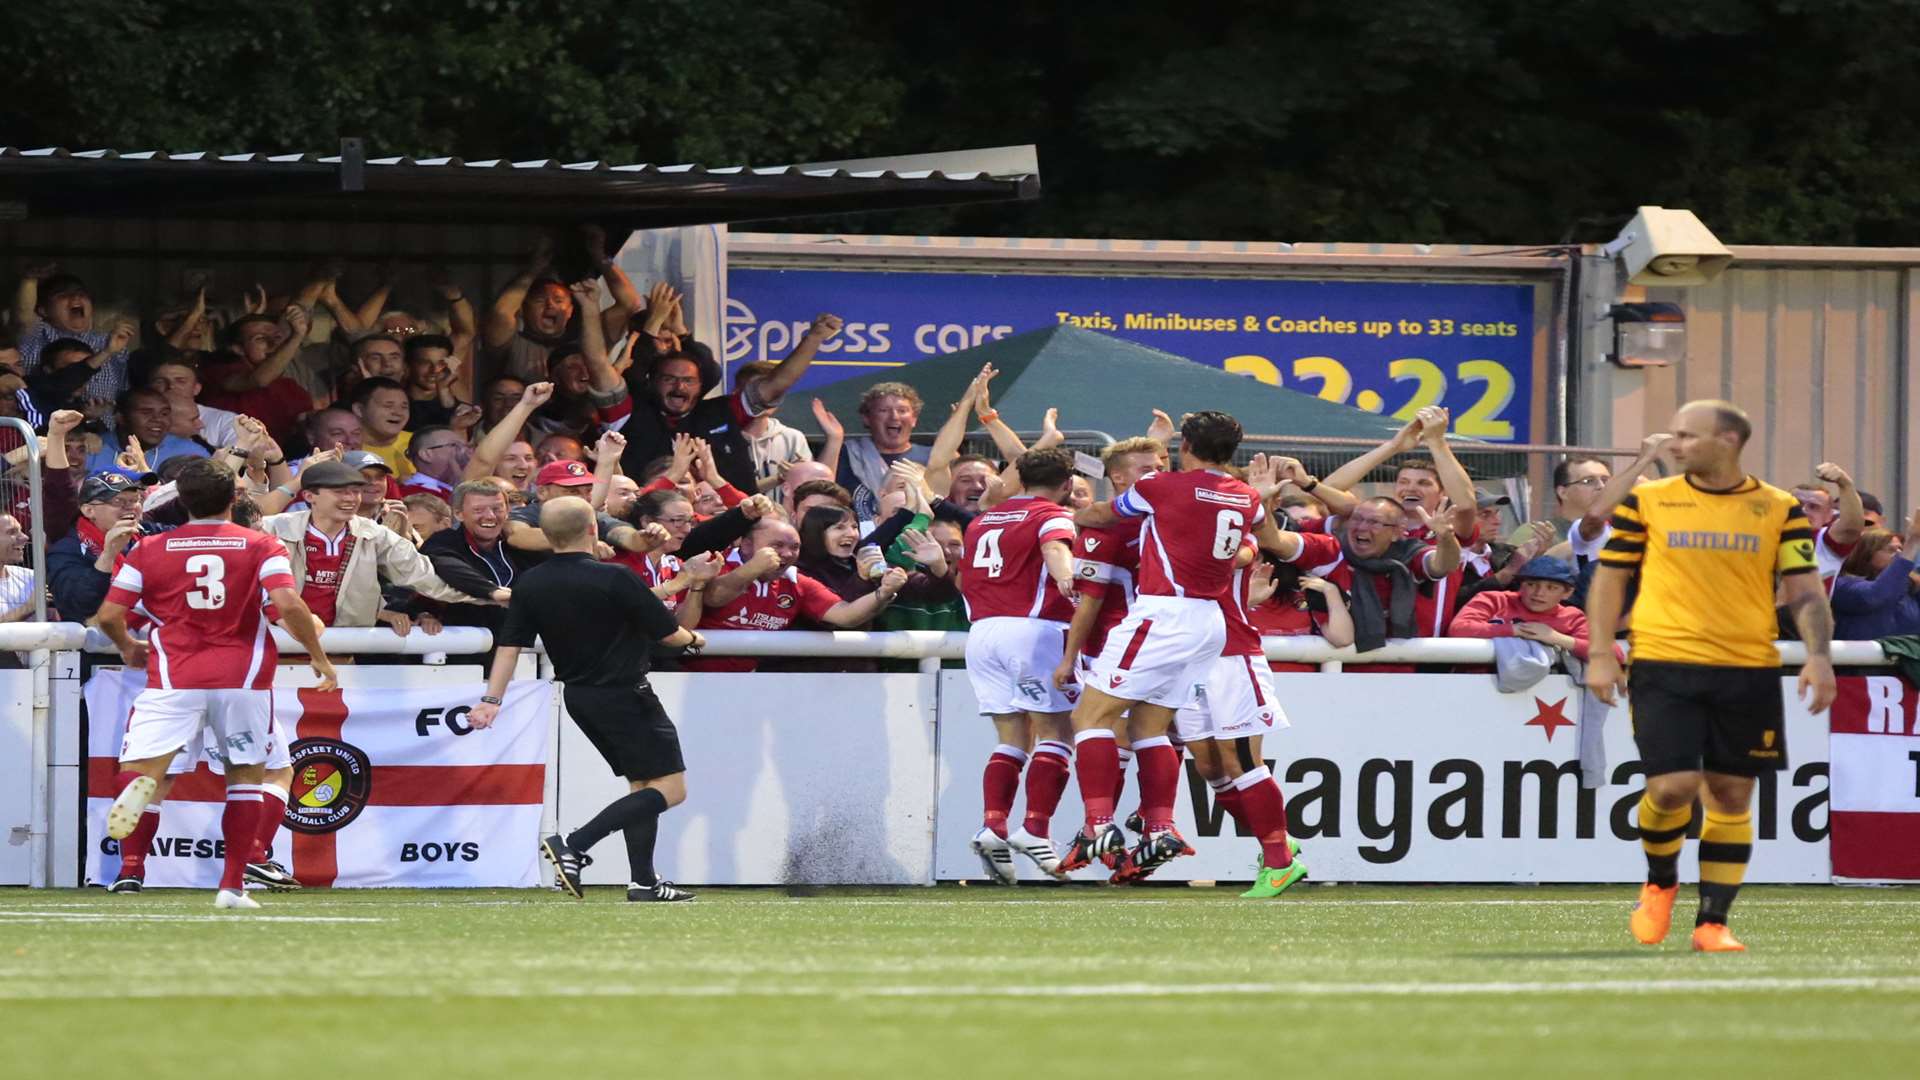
(1425, 778)
(791, 778)
(1387, 347)
(390, 788)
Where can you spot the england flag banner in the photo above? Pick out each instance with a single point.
(391, 788)
(1875, 749)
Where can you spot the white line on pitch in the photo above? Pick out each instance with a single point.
(135, 916)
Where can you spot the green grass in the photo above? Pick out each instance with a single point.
(1351, 981)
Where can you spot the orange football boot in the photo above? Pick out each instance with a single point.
(1653, 914)
(1715, 937)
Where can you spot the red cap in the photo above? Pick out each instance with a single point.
(564, 473)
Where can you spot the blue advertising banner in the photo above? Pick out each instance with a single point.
(1386, 347)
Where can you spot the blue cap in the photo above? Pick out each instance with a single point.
(1548, 568)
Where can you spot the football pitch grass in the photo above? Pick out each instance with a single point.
(954, 981)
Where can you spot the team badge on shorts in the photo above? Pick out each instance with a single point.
(331, 782)
(1032, 690)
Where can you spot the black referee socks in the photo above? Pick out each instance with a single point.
(635, 808)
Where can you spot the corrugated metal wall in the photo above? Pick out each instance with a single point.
(1813, 354)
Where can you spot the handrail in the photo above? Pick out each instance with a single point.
(888, 645)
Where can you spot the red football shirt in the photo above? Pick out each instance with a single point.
(766, 605)
(326, 565)
(1195, 521)
(204, 585)
(1004, 573)
(1237, 606)
(1105, 563)
(654, 576)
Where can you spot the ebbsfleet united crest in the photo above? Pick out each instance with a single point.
(331, 782)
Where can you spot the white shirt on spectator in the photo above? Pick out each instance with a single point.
(16, 587)
(1585, 550)
(217, 428)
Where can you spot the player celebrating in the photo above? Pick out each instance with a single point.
(1194, 523)
(209, 658)
(1105, 563)
(1705, 678)
(1017, 581)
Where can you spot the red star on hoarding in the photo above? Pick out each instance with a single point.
(1550, 718)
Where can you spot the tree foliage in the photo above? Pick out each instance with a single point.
(1498, 121)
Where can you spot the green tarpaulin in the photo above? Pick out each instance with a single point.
(1099, 383)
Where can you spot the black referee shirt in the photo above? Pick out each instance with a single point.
(598, 621)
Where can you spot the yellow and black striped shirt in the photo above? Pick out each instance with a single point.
(1706, 561)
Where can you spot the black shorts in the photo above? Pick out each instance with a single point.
(629, 728)
(1696, 716)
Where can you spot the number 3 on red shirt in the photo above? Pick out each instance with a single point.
(209, 574)
(1229, 528)
(986, 555)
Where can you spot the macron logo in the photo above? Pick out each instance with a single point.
(1092, 543)
(1222, 498)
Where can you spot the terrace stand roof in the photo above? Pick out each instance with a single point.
(40, 184)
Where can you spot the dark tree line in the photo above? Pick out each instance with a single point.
(1499, 121)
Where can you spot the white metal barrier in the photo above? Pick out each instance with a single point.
(44, 711)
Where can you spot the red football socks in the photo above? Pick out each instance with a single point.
(998, 785)
(1046, 779)
(273, 808)
(239, 826)
(1266, 813)
(1120, 777)
(1229, 799)
(1159, 781)
(1096, 763)
(133, 850)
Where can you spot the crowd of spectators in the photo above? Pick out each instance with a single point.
(403, 456)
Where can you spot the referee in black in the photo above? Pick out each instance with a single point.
(599, 623)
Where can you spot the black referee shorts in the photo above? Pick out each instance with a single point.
(1697, 716)
(629, 728)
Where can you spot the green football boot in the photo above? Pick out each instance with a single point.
(1272, 882)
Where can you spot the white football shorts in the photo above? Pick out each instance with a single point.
(1161, 649)
(1234, 701)
(1010, 662)
(237, 725)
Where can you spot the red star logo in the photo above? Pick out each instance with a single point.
(1550, 718)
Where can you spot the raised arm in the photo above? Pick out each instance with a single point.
(1004, 440)
(770, 390)
(946, 442)
(463, 326)
(1594, 521)
(1851, 519)
(503, 318)
(1356, 471)
(836, 433)
(26, 297)
(294, 318)
(487, 455)
(1454, 481)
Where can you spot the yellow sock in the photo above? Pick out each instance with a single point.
(1726, 843)
(1662, 833)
